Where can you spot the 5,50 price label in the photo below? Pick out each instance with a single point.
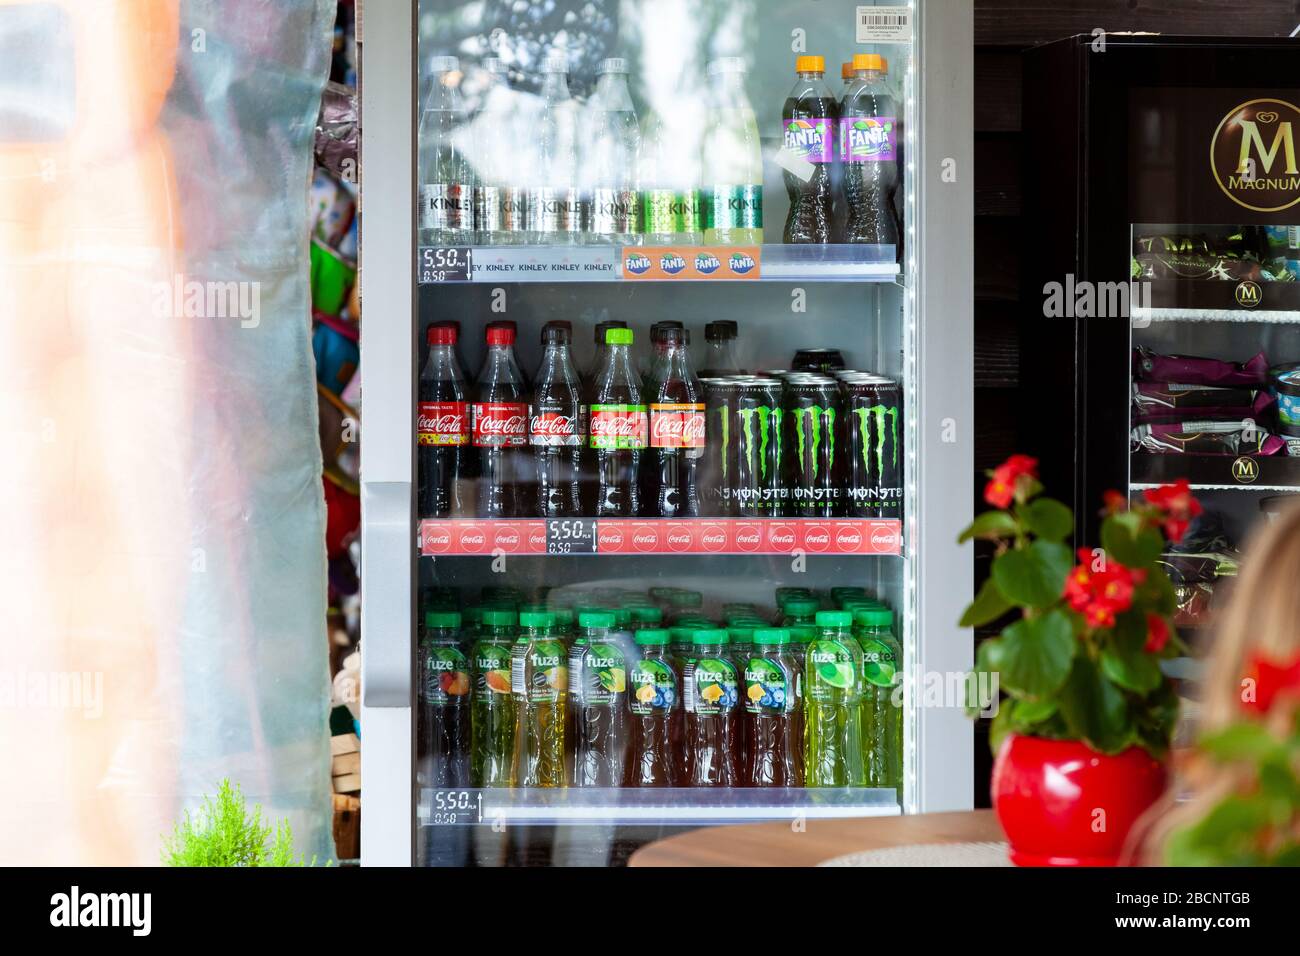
(453, 806)
(571, 536)
(445, 264)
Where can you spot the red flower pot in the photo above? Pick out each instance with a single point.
(1063, 804)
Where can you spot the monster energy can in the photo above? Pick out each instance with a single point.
(814, 447)
(757, 484)
(873, 447)
(719, 464)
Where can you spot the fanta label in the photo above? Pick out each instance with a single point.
(871, 139)
(810, 138)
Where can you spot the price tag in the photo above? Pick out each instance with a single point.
(445, 264)
(571, 536)
(884, 25)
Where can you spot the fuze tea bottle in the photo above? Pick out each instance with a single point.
(882, 670)
(493, 711)
(652, 702)
(710, 695)
(646, 617)
(774, 756)
(832, 705)
(539, 677)
(443, 734)
(598, 685)
(799, 611)
(741, 636)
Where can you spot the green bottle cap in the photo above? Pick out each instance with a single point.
(710, 635)
(595, 619)
(543, 619)
(682, 633)
(875, 617)
(834, 619)
(803, 634)
(499, 617)
(687, 599)
(842, 592)
(741, 635)
(746, 620)
(563, 615)
(800, 607)
(647, 615)
(772, 635)
(442, 619)
(618, 336)
(654, 636)
(694, 620)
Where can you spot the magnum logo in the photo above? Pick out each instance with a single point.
(1253, 155)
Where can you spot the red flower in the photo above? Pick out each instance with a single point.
(1100, 595)
(1115, 501)
(1273, 681)
(1010, 479)
(1157, 634)
(1177, 507)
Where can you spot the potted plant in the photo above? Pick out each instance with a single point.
(1084, 723)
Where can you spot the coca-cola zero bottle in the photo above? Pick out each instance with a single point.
(500, 427)
(676, 406)
(442, 428)
(557, 426)
(618, 429)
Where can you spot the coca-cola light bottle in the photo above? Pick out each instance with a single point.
(446, 178)
(557, 426)
(442, 428)
(619, 429)
(677, 421)
(500, 427)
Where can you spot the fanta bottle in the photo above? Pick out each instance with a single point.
(833, 736)
(808, 120)
(494, 712)
(653, 700)
(540, 682)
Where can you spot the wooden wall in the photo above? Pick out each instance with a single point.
(1003, 30)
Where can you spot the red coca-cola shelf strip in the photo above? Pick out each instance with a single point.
(869, 536)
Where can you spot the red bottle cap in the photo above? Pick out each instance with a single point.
(441, 335)
(500, 335)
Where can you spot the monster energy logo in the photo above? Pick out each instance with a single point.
(764, 413)
(815, 416)
(879, 413)
(725, 414)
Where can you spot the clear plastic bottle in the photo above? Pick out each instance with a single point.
(446, 215)
(732, 161)
(619, 429)
(443, 751)
(556, 211)
(500, 206)
(653, 702)
(882, 670)
(540, 683)
(494, 711)
(809, 118)
(611, 164)
(557, 427)
(598, 709)
(500, 428)
(710, 698)
(671, 213)
(833, 738)
(774, 755)
(868, 147)
(442, 429)
(719, 350)
(675, 401)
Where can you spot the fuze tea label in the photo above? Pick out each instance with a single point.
(830, 670)
(492, 668)
(446, 675)
(539, 671)
(870, 139)
(604, 675)
(810, 138)
(710, 687)
(768, 689)
(879, 664)
(654, 687)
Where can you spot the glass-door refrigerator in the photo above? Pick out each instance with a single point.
(667, 421)
(1161, 298)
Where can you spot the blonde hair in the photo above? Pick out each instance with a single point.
(1262, 616)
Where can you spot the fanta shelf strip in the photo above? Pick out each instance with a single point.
(861, 536)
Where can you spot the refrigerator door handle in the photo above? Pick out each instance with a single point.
(388, 606)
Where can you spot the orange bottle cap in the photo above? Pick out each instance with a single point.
(846, 70)
(810, 64)
(870, 61)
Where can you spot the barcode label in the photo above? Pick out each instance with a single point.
(575, 675)
(688, 688)
(518, 684)
(884, 25)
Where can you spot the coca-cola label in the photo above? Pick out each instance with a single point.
(550, 428)
(618, 426)
(500, 423)
(677, 426)
(442, 423)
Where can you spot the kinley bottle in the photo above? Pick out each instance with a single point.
(882, 671)
(611, 165)
(833, 736)
(710, 695)
(446, 215)
(653, 701)
(494, 711)
(598, 708)
(556, 212)
(539, 679)
(732, 161)
(444, 734)
(773, 712)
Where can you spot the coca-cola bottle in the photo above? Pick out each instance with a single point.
(676, 409)
(618, 428)
(598, 358)
(500, 427)
(557, 426)
(442, 428)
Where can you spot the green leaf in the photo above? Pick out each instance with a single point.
(1129, 543)
(1048, 518)
(1033, 576)
(1094, 708)
(991, 524)
(1035, 711)
(1126, 661)
(988, 660)
(989, 605)
(1036, 654)
(1244, 740)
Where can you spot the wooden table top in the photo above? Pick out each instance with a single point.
(778, 844)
